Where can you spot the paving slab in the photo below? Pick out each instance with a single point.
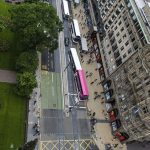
(7, 76)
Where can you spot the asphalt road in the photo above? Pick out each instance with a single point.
(54, 124)
(138, 146)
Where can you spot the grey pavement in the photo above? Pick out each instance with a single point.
(139, 146)
(7, 76)
(34, 108)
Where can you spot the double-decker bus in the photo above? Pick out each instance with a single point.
(79, 75)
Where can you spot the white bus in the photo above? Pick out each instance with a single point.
(76, 36)
(65, 8)
(74, 59)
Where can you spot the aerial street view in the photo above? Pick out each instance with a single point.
(75, 75)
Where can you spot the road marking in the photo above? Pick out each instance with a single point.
(52, 77)
(52, 90)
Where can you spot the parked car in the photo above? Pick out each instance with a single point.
(66, 41)
(116, 125)
(107, 84)
(109, 94)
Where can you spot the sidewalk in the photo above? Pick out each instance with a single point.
(33, 128)
(102, 135)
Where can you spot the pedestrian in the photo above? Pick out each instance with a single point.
(86, 72)
(92, 82)
(93, 114)
(34, 102)
(91, 74)
(98, 83)
(95, 93)
(95, 80)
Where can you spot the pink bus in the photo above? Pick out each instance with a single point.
(82, 85)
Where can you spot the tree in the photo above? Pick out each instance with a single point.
(37, 25)
(2, 25)
(29, 145)
(31, 1)
(26, 82)
(27, 62)
(4, 45)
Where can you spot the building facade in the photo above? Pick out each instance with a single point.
(124, 42)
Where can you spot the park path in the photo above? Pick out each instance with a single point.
(7, 76)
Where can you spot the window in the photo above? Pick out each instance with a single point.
(130, 65)
(122, 29)
(137, 59)
(122, 48)
(127, 43)
(125, 18)
(119, 41)
(146, 78)
(124, 56)
(145, 110)
(124, 36)
(137, 84)
(115, 28)
(147, 83)
(130, 32)
(149, 92)
(141, 69)
(129, 50)
(117, 34)
(119, 23)
(135, 47)
(127, 25)
(107, 45)
(133, 39)
(133, 75)
(109, 52)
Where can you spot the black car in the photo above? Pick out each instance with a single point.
(66, 41)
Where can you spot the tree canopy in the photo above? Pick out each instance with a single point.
(29, 145)
(26, 82)
(27, 62)
(36, 25)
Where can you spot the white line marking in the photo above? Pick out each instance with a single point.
(52, 77)
(52, 90)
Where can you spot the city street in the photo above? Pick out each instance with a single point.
(57, 129)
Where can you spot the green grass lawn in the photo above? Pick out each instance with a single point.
(12, 117)
(8, 59)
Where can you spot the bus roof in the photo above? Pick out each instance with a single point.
(84, 44)
(76, 26)
(77, 1)
(83, 82)
(66, 8)
(75, 58)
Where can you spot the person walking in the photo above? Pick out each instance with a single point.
(92, 82)
(90, 74)
(95, 80)
(98, 83)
